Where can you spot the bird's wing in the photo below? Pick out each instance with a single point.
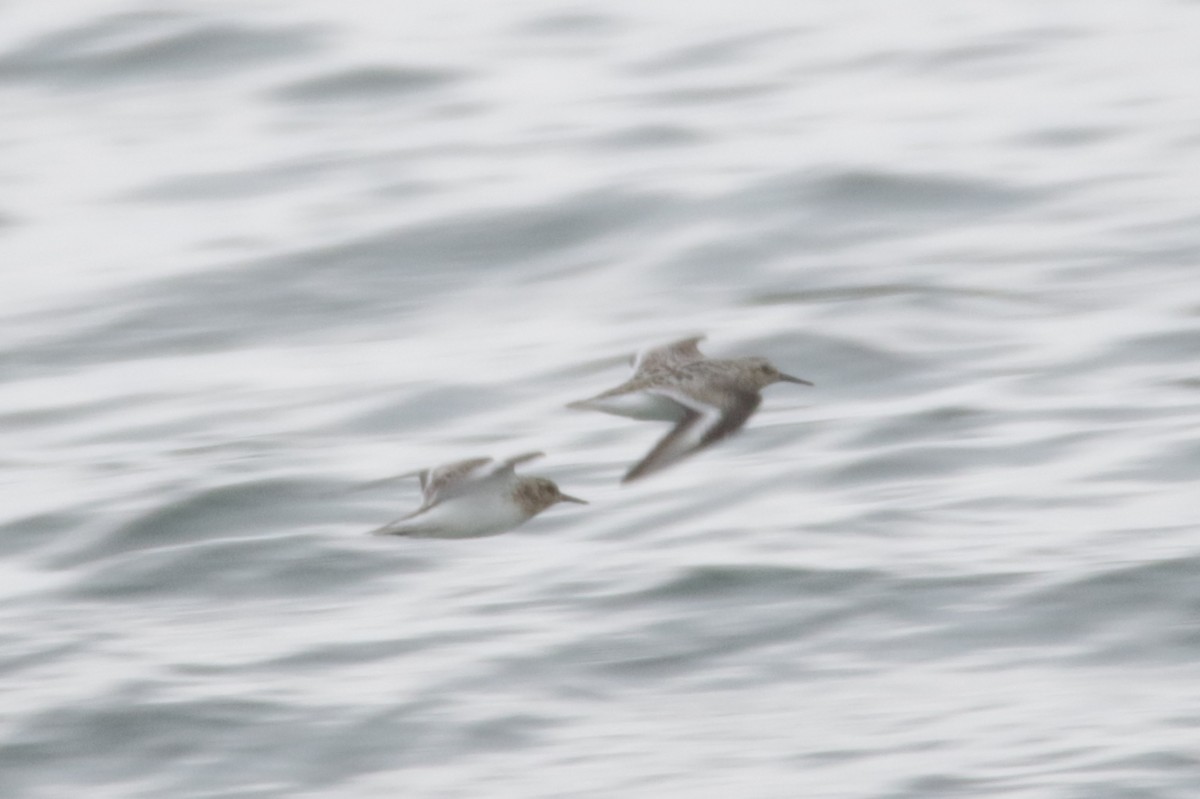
(450, 479)
(702, 424)
(522, 458)
(466, 476)
(673, 354)
(502, 475)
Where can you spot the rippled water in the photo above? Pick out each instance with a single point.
(258, 256)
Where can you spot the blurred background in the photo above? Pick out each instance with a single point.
(255, 255)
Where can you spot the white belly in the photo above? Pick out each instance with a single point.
(464, 517)
(637, 405)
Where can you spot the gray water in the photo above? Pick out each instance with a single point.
(257, 256)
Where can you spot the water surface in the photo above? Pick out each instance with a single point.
(257, 257)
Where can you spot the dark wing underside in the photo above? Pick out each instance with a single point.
(701, 425)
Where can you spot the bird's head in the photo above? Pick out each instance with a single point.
(764, 374)
(541, 493)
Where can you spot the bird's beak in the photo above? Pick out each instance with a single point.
(569, 498)
(790, 379)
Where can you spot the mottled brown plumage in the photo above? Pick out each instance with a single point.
(706, 398)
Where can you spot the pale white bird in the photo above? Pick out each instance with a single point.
(476, 497)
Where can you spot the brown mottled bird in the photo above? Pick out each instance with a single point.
(706, 398)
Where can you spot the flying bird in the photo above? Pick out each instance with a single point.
(476, 497)
(706, 398)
